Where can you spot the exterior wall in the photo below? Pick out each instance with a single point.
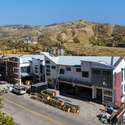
(119, 71)
(70, 75)
(13, 72)
(2, 70)
(76, 79)
(51, 74)
(37, 70)
(117, 88)
(86, 66)
(37, 67)
(9, 70)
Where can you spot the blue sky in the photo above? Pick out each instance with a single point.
(42, 12)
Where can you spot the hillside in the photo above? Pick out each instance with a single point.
(85, 38)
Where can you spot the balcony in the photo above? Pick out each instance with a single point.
(74, 80)
(102, 78)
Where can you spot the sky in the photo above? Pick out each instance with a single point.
(44, 12)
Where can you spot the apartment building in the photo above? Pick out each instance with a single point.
(101, 78)
(94, 77)
(23, 69)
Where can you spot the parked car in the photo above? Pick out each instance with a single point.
(21, 90)
(10, 87)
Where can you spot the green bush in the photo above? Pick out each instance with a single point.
(6, 120)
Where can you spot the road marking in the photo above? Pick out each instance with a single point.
(35, 113)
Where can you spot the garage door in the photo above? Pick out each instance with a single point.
(66, 88)
(84, 92)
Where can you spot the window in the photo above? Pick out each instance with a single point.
(36, 69)
(41, 69)
(108, 93)
(107, 99)
(77, 66)
(107, 78)
(96, 71)
(68, 68)
(106, 73)
(47, 70)
(25, 69)
(53, 67)
(122, 90)
(123, 74)
(48, 74)
(124, 87)
(85, 74)
(47, 66)
(16, 70)
(62, 71)
(36, 65)
(37, 76)
(47, 61)
(78, 69)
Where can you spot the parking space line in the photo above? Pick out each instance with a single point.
(35, 113)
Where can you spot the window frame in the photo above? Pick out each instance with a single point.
(78, 70)
(68, 69)
(53, 67)
(60, 72)
(47, 62)
(96, 71)
(87, 74)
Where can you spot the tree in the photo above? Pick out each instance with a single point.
(117, 39)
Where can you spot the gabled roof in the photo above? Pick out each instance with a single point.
(76, 60)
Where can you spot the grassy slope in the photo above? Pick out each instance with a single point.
(95, 50)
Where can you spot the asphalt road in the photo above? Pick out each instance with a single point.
(31, 112)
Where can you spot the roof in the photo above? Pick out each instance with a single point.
(27, 58)
(24, 58)
(76, 60)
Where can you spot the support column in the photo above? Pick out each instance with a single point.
(93, 92)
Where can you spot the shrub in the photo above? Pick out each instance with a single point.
(6, 120)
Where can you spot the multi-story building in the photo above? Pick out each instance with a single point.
(22, 69)
(101, 78)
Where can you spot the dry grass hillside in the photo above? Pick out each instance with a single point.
(80, 37)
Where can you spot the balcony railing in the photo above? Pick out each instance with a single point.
(73, 80)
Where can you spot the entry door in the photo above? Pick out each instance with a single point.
(99, 95)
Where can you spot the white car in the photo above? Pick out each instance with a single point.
(19, 90)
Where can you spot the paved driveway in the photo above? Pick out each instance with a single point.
(31, 112)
